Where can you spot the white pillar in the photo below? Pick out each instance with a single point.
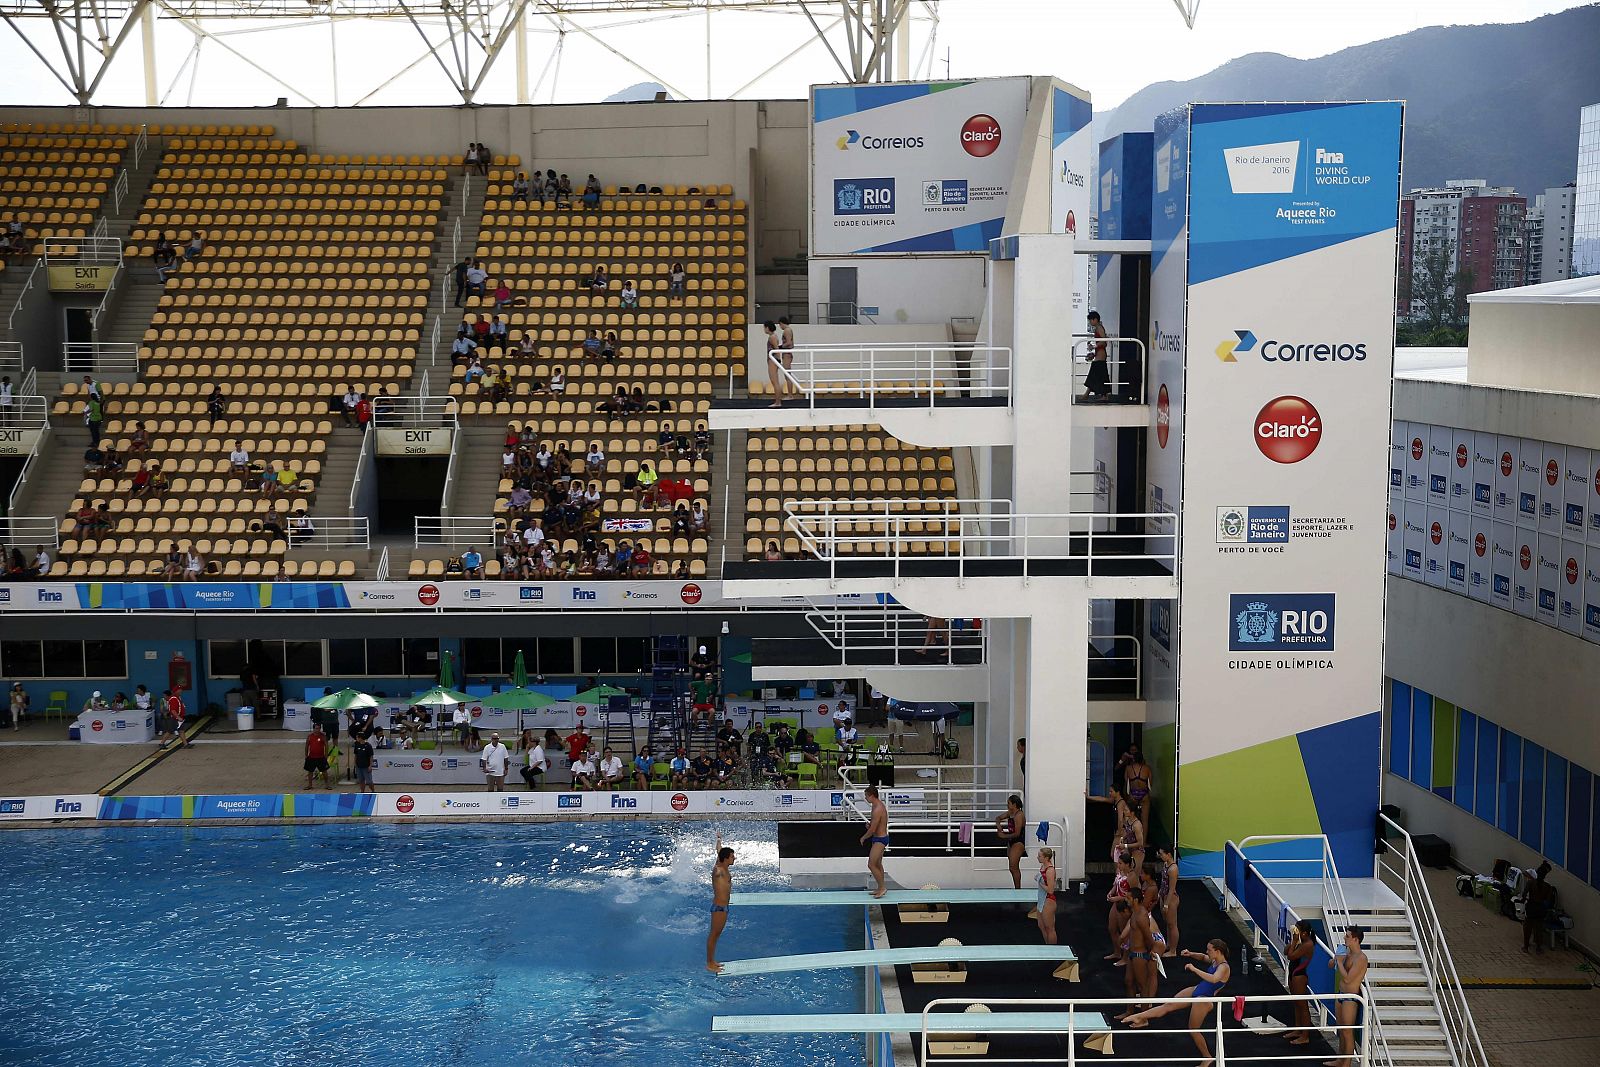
(1057, 723)
(147, 37)
(1041, 329)
(521, 36)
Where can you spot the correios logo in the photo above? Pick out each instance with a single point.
(1163, 416)
(404, 803)
(680, 802)
(1275, 351)
(1288, 429)
(980, 135)
(873, 143)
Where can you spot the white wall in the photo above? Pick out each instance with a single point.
(1563, 417)
(1535, 346)
(908, 288)
(825, 334)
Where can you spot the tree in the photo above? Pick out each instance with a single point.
(1438, 293)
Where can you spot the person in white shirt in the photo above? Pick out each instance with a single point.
(239, 459)
(461, 723)
(142, 698)
(494, 759)
(533, 533)
(535, 763)
(596, 459)
(583, 773)
(348, 405)
(5, 399)
(610, 770)
(558, 380)
(41, 560)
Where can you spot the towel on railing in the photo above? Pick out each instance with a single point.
(964, 834)
(1043, 832)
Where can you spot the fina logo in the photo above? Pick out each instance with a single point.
(584, 594)
(619, 801)
(1291, 351)
(49, 596)
(1285, 621)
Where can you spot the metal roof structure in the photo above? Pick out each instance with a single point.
(78, 40)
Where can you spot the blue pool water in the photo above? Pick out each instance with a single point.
(400, 946)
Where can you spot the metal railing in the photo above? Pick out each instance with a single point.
(1083, 345)
(971, 530)
(29, 386)
(11, 358)
(910, 638)
(447, 493)
(140, 144)
(28, 411)
(100, 357)
(119, 189)
(1455, 1015)
(100, 226)
(841, 313)
(29, 466)
(362, 458)
(433, 344)
(455, 531)
(18, 530)
(414, 412)
(896, 371)
(82, 251)
(1125, 661)
(381, 574)
(331, 532)
(1335, 912)
(11, 319)
(942, 1018)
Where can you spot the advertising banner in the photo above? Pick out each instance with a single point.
(1461, 442)
(1416, 459)
(106, 727)
(1396, 542)
(1071, 146)
(1547, 579)
(1399, 441)
(1530, 477)
(1552, 487)
(1435, 550)
(1524, 571)
(1503, 553)
(1485, 461)
(1480, 575)
(1459, 548)
(1575, 491)
(1505, 477)
(913, 166)
(1288, 358)
(419, 441)
(1591, 596)
(70, 806)
(1441, 444)
(1569, 586)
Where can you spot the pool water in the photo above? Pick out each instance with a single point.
(401, 946)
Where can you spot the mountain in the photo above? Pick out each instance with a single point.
(1496, 102)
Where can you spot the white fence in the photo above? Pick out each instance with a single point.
(456, 531)
(901, 371)
(100, 357)
(20, 531)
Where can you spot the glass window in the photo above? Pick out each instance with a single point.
(1532, 794)
(63, 659)
(1510, 782)
(1466, 755)
(347, 657)
(528, 646)
(1580, 785)
(303, 659)
(555, 656)
(226, 658)
(1400, 729)
(633, 654)
(1422, 738)
(1488, 771)
(105, 659)
(1444, 748)
(481, 656)
(385, 657)
(598, 655)
(21, 659)
(1555, 808)
(422, 657)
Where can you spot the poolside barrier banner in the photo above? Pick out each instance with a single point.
(71, 806)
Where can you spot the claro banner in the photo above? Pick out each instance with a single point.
(1288, 355)
(913, 166)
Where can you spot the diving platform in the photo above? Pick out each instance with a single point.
(808, 897)
(998, 1022)
(895, 957)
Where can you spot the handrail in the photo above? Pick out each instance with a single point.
(853, 309)
(433, 348)
(29, 386)
(118, 190)
(96, 250)
(29, 411)
(895, 370)
(100, 226)
(361, 467)
(447, 493)
(27, 471)
(381, 574)
(1113, 358)
(100, 357)
(454, 531)
(30, 529)
(11, 320)
(328, 532)
(414, 412)
(11, 357)
(1455, 1014)
(937, 1022)
(877, 628)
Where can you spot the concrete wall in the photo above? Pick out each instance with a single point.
(1562, 417)
(1535, 346)
(825, 334)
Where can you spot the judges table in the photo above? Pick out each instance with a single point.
(564, 715)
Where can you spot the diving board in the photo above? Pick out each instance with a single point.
(1030, 1022)
(890, 957)
(894, 896)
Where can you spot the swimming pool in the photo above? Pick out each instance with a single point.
(400, 946)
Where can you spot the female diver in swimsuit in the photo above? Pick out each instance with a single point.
(1211, 983)
(1046, 881)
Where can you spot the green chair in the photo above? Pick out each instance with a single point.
(805, 776)
(661, 776)
(823, 736)
(57, 708)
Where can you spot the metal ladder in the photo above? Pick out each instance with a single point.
(616, 727)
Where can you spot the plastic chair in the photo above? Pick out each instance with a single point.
(661, 776)
(57, 707)
(805, 775)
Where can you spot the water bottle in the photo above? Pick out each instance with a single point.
(1244, 958)
(1081, 887)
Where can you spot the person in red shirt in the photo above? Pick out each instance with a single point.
(363, 411)
(641, 560)
(577, 744)
(317, 756)
(175, 715)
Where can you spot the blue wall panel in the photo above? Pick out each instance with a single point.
(1466, 755)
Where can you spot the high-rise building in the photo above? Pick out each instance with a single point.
(1477, 225)
(1548, 229)
(1586, 209)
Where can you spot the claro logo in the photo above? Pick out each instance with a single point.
(980, 135)
(1288, 429)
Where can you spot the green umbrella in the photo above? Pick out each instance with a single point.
(344, 700)
(447, 672)
(597, 694)
(519, 671)
(518, 699)
(439, 696)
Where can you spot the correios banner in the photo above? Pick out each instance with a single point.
(1288, 354)
(1071, 147)
(913, 166)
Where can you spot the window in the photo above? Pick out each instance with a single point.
(225, 658)
(1532, 794)
(1580, 787)
(1422, 738)
(1555, 808)
(385, 656)
(1510, 786)
(1400, 729)
(376, 657)
(1488, 771)
(1466, 755)
(63, 659)
(421, 655)
(598, 655)
(555, 656)
(481, 656)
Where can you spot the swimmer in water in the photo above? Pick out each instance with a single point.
(721, 892)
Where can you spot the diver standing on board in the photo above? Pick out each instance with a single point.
(721, 891)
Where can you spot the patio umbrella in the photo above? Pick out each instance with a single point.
(597, 694)
(519, 672)
(518, 699)
(439, 696)
(344, 700)
(447, 672)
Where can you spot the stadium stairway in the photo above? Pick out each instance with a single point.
(463, 200)
(57, 474)
(727, 504)
(478, 469)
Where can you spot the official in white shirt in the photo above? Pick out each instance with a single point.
(494, 760)
(610, 770)
(583, 775)
(535, 763)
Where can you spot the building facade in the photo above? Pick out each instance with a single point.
(1548, 234)
(1477, 225)
(1586, 208)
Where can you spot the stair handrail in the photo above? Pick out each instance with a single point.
(29, 386)
(361, 465)
(11, 320)
(119, 189)
(382, 572)
(26, 471)
(140, 144)
(1455, 1014)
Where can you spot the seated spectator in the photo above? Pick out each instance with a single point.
(584, 774)
(597, 282)
(269, 526)
(699, 520)
(301, 528)
(772, 554)
(595, 459)
(508, 461)
(472, 564)
(616, 403)
(469, 160)
(463, 351)
(592, 347)
(93, 456)
(84, 520)
(288, 479)
(363, 411)
(641, 561)
(678, 766)
(502, 298)
(810, 751)
(474, 370)
(701, 771)
(485, 157)
(139, 443)
(532, 533)
(609, 347)
(216, 404)
(525, 347)
(550, 184)
(680, 519)
(677, 279)
(722, 769)
(638, 402)
(558, 380)
(629, 295)
(666, 440)
(728, 736)
(17, 567)
(643, 764)
(680, 570)
(141, 480)
(517, 504)
(644, 487)
(196, 247)
(165, 258)
(110, 463)
(498, 332)
(610, 770)
(348, 402)
(564, 192)
(622, 559)
(480, 329)
(591, 193)
(702, 442)
(159, 480)
(238, 459)
(194, 565)
(519, 188)
(41, 561)
(476, 277)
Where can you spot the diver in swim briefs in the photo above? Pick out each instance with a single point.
(721, 893)
(876, 838)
